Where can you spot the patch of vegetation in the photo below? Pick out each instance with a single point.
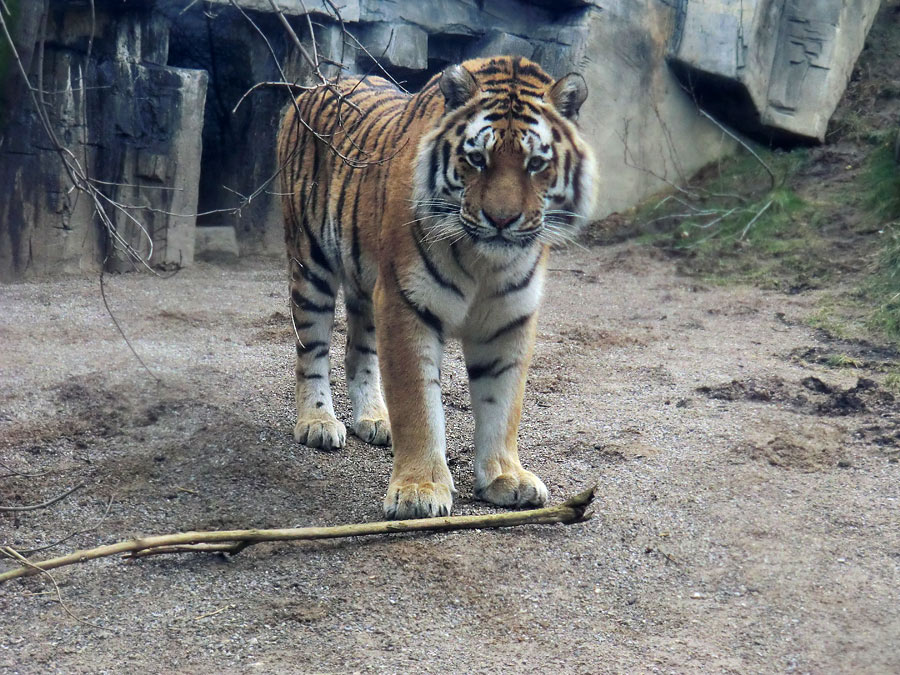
(744, 222)
(881, 183)
(881, 198)
(799, 220)
(886, 289)
(841, 361)
(892, 382)
(829, 320)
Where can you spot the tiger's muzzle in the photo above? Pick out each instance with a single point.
(516, 230)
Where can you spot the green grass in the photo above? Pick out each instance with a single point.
(881, 183)
(813, 226)
(829, 320)
(733, 225)
(892, 382)
(881, 190)
(841, 361)
(739, 227)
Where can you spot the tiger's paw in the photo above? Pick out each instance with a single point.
(320, 432)
(374, 431)
(517, 487)
(417, 500)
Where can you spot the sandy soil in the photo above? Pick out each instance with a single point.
(748, 493)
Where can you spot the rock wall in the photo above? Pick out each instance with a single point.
(118, 111)
(148, 103)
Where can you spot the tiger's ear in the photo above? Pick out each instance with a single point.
(458, 86)
(568, 94)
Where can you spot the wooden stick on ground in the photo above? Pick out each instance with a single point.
(573, 510)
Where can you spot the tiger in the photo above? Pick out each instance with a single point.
(435, 213)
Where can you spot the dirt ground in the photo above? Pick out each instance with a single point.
(747, 518)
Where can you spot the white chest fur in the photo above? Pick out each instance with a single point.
(472, 295)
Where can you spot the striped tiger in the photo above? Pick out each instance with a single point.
(435, 213)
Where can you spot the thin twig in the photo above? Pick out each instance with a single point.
(629, 161)
(574, 510)
(291, 86)
(35, 507)
(19, 474)
(190, 4)
(15, 555)
(726, 130)
(708, 225)
(214, 613)
(754, 219)
(296, 40)
(46, 547)
(121, 331)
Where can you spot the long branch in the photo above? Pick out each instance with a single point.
(573, 510)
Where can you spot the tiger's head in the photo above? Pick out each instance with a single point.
(505, 164)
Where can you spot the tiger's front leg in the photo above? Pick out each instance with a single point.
(410, 347)
(497, 364)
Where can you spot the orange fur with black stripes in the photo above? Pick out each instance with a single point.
(434, 212)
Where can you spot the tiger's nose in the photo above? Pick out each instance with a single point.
(497, 220)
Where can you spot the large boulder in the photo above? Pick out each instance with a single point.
(776, 68)
(644, 128)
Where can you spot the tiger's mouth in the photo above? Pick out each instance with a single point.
(491, 236)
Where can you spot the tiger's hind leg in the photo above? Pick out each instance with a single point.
(370, 416)
(312, 315)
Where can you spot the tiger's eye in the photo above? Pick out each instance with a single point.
(477, 159)
(537, 164)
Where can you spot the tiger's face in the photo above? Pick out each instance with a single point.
(506, 166)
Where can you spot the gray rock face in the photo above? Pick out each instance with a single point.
(130, 122)
(349, 10)
(783, 64)
(897, 147)
(498, 43)
(25, 23)
(393, 45)
(148, 155)
(44, 226)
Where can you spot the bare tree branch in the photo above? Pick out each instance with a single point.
(575, 510)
